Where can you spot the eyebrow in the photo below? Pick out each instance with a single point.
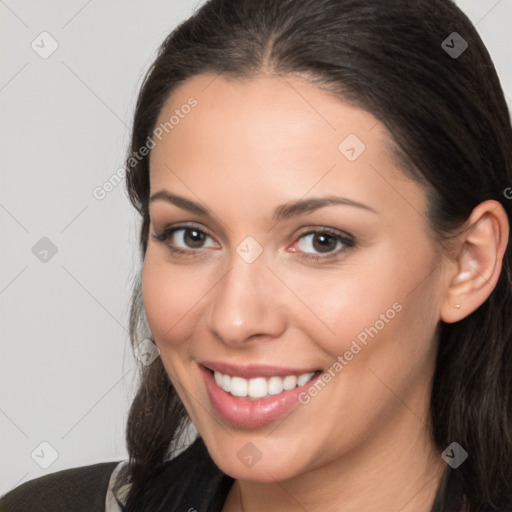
(283, 212)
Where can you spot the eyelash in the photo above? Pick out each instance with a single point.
(347, 240)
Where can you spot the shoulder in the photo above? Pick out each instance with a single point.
(79, 489)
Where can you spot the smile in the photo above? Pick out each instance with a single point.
(262, 395)
(260, 387)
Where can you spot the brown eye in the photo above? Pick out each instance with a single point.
(323, 242)
(192, 237)
(183, 239)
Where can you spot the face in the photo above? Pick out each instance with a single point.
(245, 293)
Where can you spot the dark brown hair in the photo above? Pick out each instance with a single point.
(451, 127)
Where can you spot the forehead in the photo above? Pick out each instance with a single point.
(264, 113)
(277, 136)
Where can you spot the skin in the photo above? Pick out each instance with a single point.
(247, 147)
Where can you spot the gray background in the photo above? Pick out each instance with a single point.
(67, 373)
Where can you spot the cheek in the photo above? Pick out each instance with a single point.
(169, 299)
(344, 303)
(389, 296)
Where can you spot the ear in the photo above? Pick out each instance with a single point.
(479, 262)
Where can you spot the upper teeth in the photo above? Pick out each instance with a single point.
(259, 386)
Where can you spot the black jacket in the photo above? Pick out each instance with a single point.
(77, 489)
(189, 481)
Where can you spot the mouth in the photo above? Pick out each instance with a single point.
(260, 387)
(253, 396)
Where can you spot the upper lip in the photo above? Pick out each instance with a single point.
(254, 370)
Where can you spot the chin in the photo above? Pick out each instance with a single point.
(249, 463)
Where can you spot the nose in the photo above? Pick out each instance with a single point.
(247, 304)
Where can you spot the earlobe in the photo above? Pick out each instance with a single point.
(479, 261)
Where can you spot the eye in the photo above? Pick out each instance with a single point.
(183, 239)
(327, 242)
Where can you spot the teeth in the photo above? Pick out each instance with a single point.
(226, 382)
(257, 387)
(274, 385)
(238, 386)
(260, 386)
(303, 379)
(289, 382)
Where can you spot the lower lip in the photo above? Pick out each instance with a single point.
(251, 413)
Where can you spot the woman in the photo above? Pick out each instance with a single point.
(324, 188)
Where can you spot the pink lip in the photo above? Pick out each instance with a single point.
(250, 413)
(254, 370)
